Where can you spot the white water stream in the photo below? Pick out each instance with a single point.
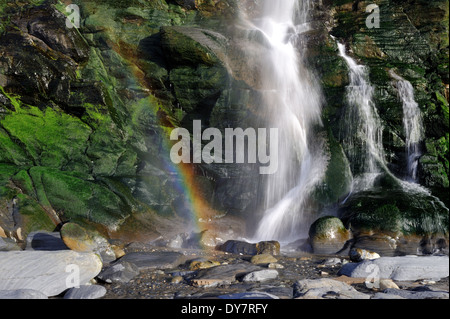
(293, 99)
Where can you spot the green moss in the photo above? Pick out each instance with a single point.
(10, 152)
(444, 106)
(183, 50)
(338, 177)
(328, 228)
(49, 137)
(24, 182)
(35, 217)
(6, 172)
(78, 199)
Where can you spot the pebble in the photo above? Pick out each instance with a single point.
(332, 262)
(177, 280)
(358, 255)
(275, 266)
(388, 284)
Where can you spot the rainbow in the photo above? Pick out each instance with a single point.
(200, 211)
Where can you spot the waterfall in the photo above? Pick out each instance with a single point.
(292, 103)
(362, 128)
(412, 123)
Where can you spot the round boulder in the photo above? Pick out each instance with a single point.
(328, 235)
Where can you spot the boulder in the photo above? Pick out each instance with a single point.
(328, 235)
(81, 239)
(50, 272)
(408, 268)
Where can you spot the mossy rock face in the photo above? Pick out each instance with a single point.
(77, 198)
(338, 176)
(182, 47)
(328, 235)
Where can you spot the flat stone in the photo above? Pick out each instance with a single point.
(408, 268)
(263, 259)
(381, 295)
(261, 275)
(86, 292)
(326, 288)
(249, 295)
(279, 291)
(224, 274)
(350, 280)
(203, 264)
(421, 294)
(49, 241)
(154, 260)
(22, 294)
(119, 272)
(50, 272)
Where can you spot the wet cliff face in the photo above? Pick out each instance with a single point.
(85, 113)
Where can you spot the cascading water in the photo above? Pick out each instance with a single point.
(292, 102)
(362, 127)
(412, 123)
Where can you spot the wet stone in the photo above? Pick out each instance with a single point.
(120, 272)
(154, 260)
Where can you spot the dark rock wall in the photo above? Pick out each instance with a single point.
(85, 113)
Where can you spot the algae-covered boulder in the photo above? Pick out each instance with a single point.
(328, 235)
